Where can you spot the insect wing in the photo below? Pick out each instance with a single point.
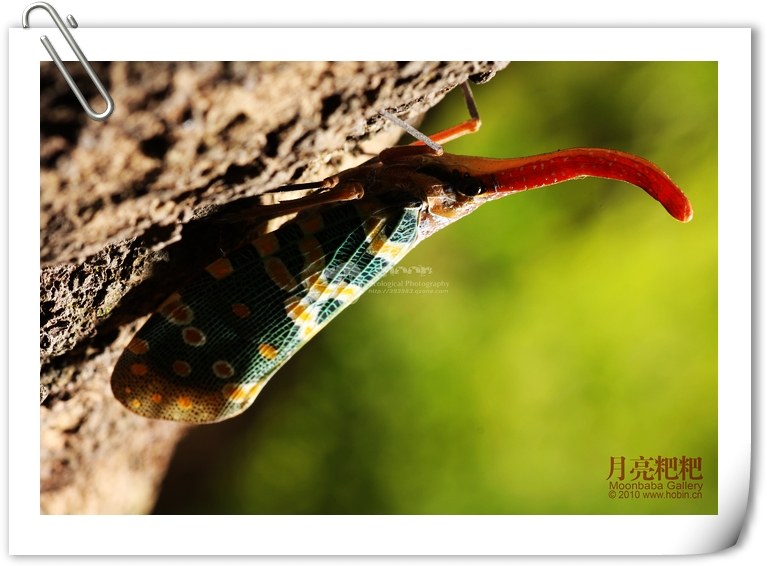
(211, 347)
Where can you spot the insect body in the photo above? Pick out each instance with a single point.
(211, 347)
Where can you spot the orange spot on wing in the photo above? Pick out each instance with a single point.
(136, 403)
(184, 403)
(295, 309)
(279, 274)
(220, 268)
(316, 285)
(181, 368)
(311, 225)
(193, 336)
(312, 251)
(377, 244)
(241, 310)
(223, 369)
(176, 311)
(268, 351)
(382, 247)
(241, 393)
(233, 393)
(347, 292)
(157, 398)
(302, 315)
(266, 245)
(138, 369)
(138, 346)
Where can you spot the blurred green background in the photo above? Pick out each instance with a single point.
(579, 323)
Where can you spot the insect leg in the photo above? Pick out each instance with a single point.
(470, 126)
(299, 187)
(334, 193)
(430, 145)
(327, 183)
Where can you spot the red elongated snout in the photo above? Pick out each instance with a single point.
(508, 176)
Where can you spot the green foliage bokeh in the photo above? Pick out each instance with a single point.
(578, 323)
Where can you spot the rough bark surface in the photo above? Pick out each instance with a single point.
(128, 213)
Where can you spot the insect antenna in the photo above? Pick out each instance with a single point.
(413, 132)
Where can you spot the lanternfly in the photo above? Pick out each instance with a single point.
(211, 346)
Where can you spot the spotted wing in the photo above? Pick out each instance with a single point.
(211, 347)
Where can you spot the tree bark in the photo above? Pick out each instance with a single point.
(128, 214)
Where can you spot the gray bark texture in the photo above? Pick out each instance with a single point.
(128, 209)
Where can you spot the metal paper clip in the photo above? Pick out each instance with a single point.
(56, 59)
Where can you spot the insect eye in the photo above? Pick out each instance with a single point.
(468, 185)
(463, 183)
